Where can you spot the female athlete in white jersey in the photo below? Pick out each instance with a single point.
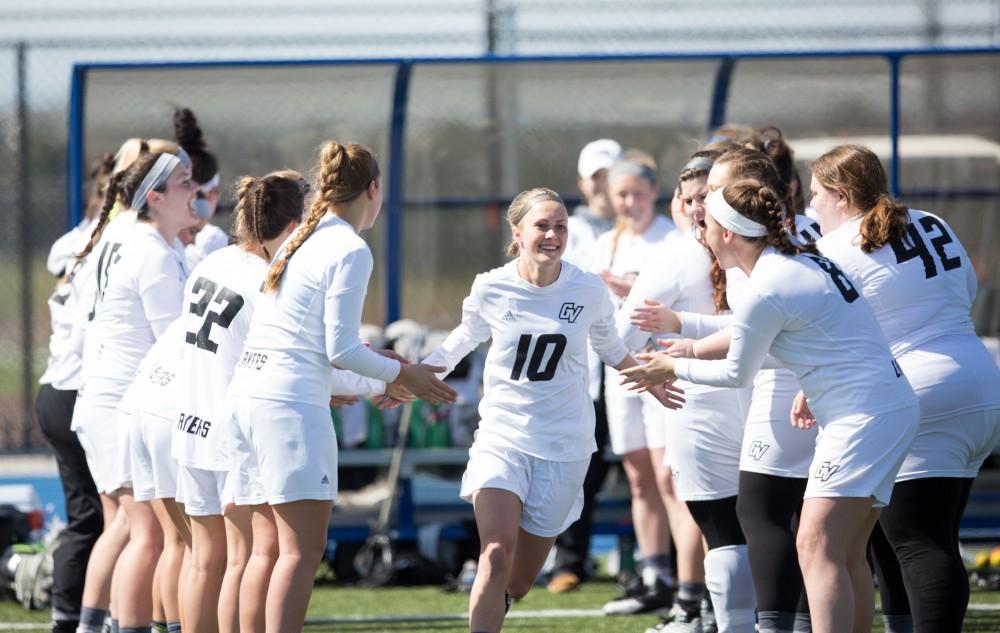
(635, 425)
(802, 310)
(305, 323)
(703, 454)
(911, 267)
(139, 298)
(531, 452)
(219, 300)
(774, 458)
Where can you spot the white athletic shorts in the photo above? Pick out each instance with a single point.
(295, 448)
(154, 471)
(859, 456)
(97, 429)
(203, 492)
(958, 385)
(635, 421)
(705, 439)
(771, 445)
(551, 493)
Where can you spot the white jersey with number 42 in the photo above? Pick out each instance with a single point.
(920, 287)
(536, 375)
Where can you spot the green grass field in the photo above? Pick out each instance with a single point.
(335, 601)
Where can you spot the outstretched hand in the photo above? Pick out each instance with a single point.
(343, 401)
(677, 347)
(668, 394)
(420, 380)
(655, 317)
(657, 370)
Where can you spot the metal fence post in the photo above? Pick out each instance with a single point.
(894, 113)
(23, 198)
(397, 162)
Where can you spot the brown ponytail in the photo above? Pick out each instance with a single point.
(344, 172)
(857, 173)
(764, 205)
(265, 206)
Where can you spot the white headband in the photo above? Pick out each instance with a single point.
(730, 218)
(156, 176)
(213, 183)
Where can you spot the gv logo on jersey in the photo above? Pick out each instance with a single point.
(826, 470)
(757, 450)
(569, 312)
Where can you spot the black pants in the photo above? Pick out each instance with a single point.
(921, 524)
(84, 518)
(573, 545)
(769, 508)
(718, 522)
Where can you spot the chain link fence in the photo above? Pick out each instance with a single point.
(474, 133)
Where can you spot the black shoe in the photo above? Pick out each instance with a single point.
(684, 617)
(708, 624)
(655, 599)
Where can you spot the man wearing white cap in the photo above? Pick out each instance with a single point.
(595, 216)
(589, 220)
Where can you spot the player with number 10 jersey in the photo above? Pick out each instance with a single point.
(536, 377)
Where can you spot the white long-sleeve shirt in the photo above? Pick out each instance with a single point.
(805, 312)
(298, 334)
(535, 381)
(142, 297)
(676, 276)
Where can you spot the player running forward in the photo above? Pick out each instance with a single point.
(531, 453)
(305, 323)
(913, 270)
(803, 311)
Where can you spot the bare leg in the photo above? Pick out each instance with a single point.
(302, 529)
(204, 581)
(829, 531)
(133, 576)
(529, 556)
(257, 575)
(180, 519)
(649, 516)
(688, 550)
(171, 561)
(101, 564)
(498, 513)
(239, 541)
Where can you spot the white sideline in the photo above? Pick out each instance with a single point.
(439, 617)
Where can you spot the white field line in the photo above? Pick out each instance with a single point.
(439, 617)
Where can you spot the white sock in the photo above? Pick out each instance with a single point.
(728, 580)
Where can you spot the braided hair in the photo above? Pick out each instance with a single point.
(344, 172)
(265, 206)
(764, 205)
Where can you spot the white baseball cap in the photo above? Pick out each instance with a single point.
(597, 155)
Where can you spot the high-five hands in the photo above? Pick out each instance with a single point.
(655, 317)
